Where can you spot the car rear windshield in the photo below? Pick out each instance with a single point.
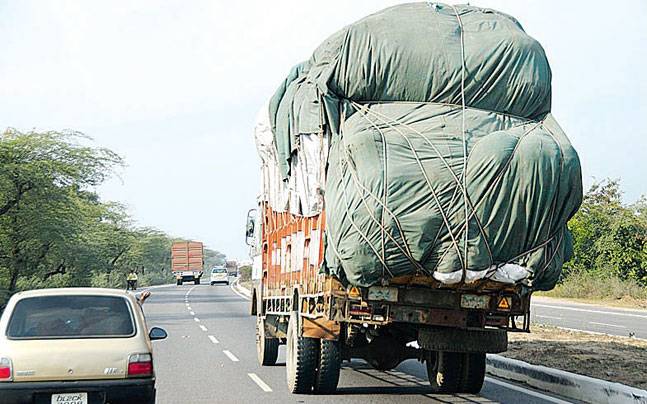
(219, 271)
(71, 317)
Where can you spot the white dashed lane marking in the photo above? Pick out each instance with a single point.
(230, 356)
(203, 328)
(197, 320)
(192, 313)
(213, 339)
(259, 382)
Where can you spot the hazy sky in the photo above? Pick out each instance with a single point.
(174, 87)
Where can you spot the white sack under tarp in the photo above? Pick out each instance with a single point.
(506, 273)
(301, 194)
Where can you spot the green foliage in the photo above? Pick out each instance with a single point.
(56, 232)
(245, 272)
(589, 285)
(610, 238)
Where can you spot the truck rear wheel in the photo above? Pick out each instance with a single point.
(473, 373)
(301, 359)
(327, 375)
(197, 281)
(179, 282)
(267, 349)
(445, 371)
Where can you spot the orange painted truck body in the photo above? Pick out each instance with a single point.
(187, 261)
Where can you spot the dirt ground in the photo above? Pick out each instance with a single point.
(616, 359)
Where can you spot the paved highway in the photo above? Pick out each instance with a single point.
(210, 357)
(589, 317)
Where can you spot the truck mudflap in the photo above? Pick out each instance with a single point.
(445, 339)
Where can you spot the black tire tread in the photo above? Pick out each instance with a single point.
(302, 379)
(327, 376)
(269, 352)
(449, 375)
(473, 373)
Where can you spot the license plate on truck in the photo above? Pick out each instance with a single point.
(383, 293)
(70, 398)
(475, 301)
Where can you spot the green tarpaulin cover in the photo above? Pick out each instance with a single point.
(444, 157)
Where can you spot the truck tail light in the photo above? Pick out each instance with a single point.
(6, 372)
(140, 365)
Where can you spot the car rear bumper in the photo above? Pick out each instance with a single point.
(99, 391)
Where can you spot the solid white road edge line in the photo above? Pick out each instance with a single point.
(230, 356)
(612, 313)
(553, 317)
(607, 325)
(234, 285)
(526, 391)
(213, 339)
(598, 333)
(259, 382)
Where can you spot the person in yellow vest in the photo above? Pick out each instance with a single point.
(132, 280)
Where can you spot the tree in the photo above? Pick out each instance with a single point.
(610, 239)
(54, 229)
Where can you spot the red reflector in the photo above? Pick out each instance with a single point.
(356, 309)
(5, 373)
(140, 369)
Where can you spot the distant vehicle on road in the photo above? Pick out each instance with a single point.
(232, 268)
(219, 275)
(76, 345)
(187, 261)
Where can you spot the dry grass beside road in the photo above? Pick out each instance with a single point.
(607, 291)
(616, 359)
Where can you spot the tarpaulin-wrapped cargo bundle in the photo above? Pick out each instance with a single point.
(407, 123)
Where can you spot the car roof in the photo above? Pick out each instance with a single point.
(73, 291)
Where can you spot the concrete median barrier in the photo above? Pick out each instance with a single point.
(566, 384)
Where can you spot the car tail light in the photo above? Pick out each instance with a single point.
(6, 373)
(140, 365)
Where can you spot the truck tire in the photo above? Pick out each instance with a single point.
(473, 373)
(301, 358)
(327, 375)
(179, 282)
(444, 371)
(197, 281)
(267, 349)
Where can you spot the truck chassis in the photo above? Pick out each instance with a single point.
(324, 322)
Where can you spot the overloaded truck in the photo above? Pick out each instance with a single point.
(415, 192)
(232, 267)
(187, 261)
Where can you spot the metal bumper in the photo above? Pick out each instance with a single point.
(99, 391)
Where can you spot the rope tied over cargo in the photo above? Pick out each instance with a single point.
(465, 197)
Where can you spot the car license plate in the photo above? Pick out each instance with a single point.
(70, 398)
(383, 293)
